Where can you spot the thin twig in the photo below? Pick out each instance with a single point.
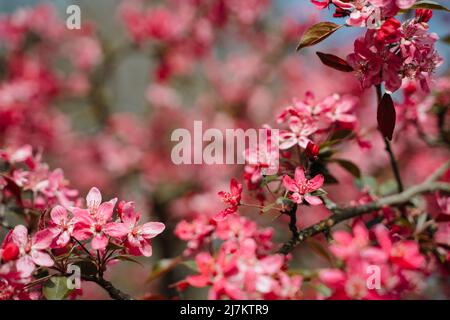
(108, 286)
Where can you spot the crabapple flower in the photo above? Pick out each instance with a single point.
(396, 52)
(138, 237)
(231, 198)
(32, 249)
(400, 263)
(95, 221)
(301, 187)
(61, 226)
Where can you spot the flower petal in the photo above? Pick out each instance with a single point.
(93, 198)
(58, 215)
(115, 229)
(152, 229)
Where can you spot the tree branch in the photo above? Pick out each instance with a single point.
(108, 286)
(293, 221)
(344, 213)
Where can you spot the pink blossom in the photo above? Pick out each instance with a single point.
(138, 237)
(95, 221)
(231, 198)
(32, 249)
(302, 187)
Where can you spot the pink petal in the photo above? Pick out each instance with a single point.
(94, 198)
(41, 258)
(99, 242)
(197, 281)
(20, 235)
(272, 264)
(316, 182)
(129, 214)
(42, 239)
(25, 266)
(299, 175)
(383, 238)
(290, 184)
(146, 249)
(361, 234)
(105, 210)
(63, 239)
(115, 229)
(82, 232)
(235, 187)
(58, 215)
(313, 200)
(152, 229)
(296, 197)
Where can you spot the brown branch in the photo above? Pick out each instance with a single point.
(293, 221)
(108, 286)
(344, 213)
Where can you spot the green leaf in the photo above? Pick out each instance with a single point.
(56, 288)
(268, 179)
(284, 200)
(367, 182)
(191, 264)
(427, 4)
(317, 33)
(128, 258)
(388, 187)
(161, 267)
(349, 166)
(114, 246)
(323, 290)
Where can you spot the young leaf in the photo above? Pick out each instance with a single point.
(128, 258)
(427, 4)
(317, 33)
(334, 62)
(56, 288)
(386, 116)
(349, 166)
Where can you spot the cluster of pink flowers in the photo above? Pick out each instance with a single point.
(396, 51)
(364, 13)
(320, 117)
(95, 223)
(242, 267)
(25, 172)
(399, 264)
(66, 225)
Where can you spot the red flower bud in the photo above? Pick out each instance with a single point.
(423, 15)
(10, 252)
(312, 150)
(120, 208)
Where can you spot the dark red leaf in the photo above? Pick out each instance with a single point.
(334, 62)
(386, 116)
